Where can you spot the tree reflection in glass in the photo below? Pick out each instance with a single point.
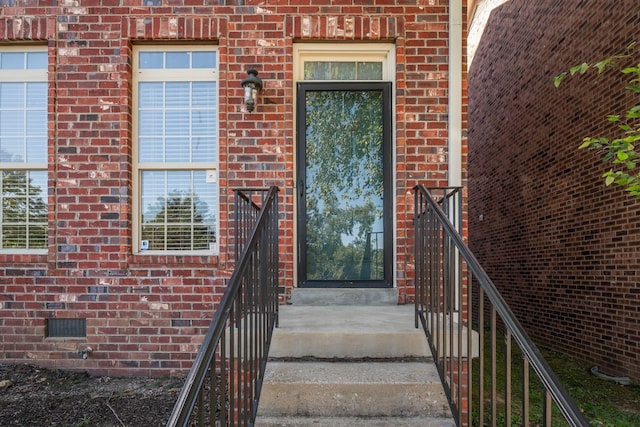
(344, 185)
(24, 209)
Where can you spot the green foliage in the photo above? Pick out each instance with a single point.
(603, 403)
(344, 142)
(620, 151)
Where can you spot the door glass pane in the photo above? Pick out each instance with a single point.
(344, 185)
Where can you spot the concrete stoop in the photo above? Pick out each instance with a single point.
(350, 365)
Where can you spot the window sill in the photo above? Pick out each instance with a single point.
(210, 259)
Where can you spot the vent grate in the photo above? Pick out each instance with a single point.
(66, 328)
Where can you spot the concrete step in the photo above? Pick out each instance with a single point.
(350, 365)
(363, 389)
(348, 332)
(354, 422)
(343, 296)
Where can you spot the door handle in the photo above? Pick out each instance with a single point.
(301, 187)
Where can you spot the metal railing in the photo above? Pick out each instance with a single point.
(444, 274)
(223, 386)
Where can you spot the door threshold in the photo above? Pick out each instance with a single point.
(345, 296)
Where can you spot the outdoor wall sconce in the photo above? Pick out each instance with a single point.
(252, 85)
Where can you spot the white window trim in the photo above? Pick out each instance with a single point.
(25, 76)
(150, 74)
(345, 52)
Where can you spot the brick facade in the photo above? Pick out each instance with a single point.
(147, 314)
(562, 248)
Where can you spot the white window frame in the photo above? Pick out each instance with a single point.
(26, 76)
(211, 167)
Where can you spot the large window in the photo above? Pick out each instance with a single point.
(23, 149)
(176, 133)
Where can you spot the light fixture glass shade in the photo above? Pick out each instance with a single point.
(249, 99)
(251, 84)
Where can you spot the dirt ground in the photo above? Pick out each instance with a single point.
(35, 396)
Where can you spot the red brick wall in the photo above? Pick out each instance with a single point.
(147, 314)
(562, 248)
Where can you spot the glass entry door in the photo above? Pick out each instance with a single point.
(343, 184)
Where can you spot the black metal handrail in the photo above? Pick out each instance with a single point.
(223, 386)
(444, 273)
